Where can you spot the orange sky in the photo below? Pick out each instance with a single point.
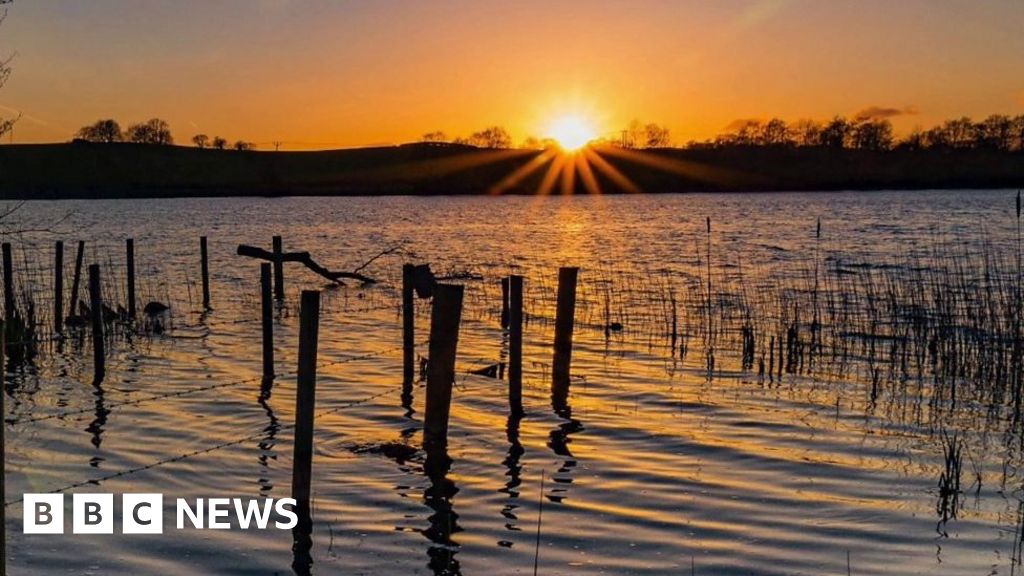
(321, 74)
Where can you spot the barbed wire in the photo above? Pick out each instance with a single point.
(179, 457)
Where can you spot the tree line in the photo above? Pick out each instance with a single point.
(996, 132)
(152, 131)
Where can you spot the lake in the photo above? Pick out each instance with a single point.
(680, 451)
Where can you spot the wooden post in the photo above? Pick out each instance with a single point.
(3, 450)
(96, 305)
(129, 246)
(267, 308)
(9, 310)
(564, 319)
(205, 269)
(305, 401)
(278, 269)
(504, 302)
(408, 324)
(444, 339)
(73, 303)
(515, 345)
(58, 287)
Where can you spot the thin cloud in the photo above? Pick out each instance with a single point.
(741, 123)
(883, 113)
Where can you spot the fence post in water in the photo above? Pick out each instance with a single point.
(305, 402)
(96, 308)
(58, 287)
(278, 269)
(444, 339)
(408, 324)
(564, 319)
(9, 311)
(504, 302)
(515, 345)
(267, 310)
(73, 303)
(205, 270)
(129, 246)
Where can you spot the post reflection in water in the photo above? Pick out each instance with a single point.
(444, 521)
(514, 474)
(99, 420)
(559, 438)
(267, 443)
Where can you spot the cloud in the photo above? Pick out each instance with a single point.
(741, 123)
(882, 113)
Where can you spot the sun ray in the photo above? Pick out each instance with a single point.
(522, 172)
(679, 167)
(611, 172)
(587, 175)
(554, 169)
(568, 176)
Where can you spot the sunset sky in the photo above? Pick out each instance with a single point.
(322, 74)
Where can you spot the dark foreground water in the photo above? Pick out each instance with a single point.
(660, 465)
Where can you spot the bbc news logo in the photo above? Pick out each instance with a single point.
(94, 513)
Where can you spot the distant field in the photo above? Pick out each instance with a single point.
(83, 170)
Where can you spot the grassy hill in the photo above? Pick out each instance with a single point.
(84, 170)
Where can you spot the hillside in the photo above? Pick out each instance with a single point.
(83, 170)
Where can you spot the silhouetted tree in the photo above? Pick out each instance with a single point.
(806, 133)
(834, 134)
(1017, 133)
(957, 133)
(105, 131)
(656, 136)
(5, 71)
(872, 135)
(435, 137)
(775, 132)
(152, 131)
(219, 143)
(242, 145)
(633, 136)
(492, 137)
(994, 132)
(201, 140)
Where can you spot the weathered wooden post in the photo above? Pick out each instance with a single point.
(445, 316)
(564, 320)
(58, 287)
(73, 303)
(278, 269)
(3, 450)
(205, 270)
(515, 345)
(9, 310)
(305, 402)
(96, 306)
(504, 302)
(408, 325)
(267, 309)
(129, 246)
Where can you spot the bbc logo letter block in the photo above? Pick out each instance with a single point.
(93, 513)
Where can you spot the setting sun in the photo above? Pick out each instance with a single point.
(571, 132)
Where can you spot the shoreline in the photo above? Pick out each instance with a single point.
(124, 171)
